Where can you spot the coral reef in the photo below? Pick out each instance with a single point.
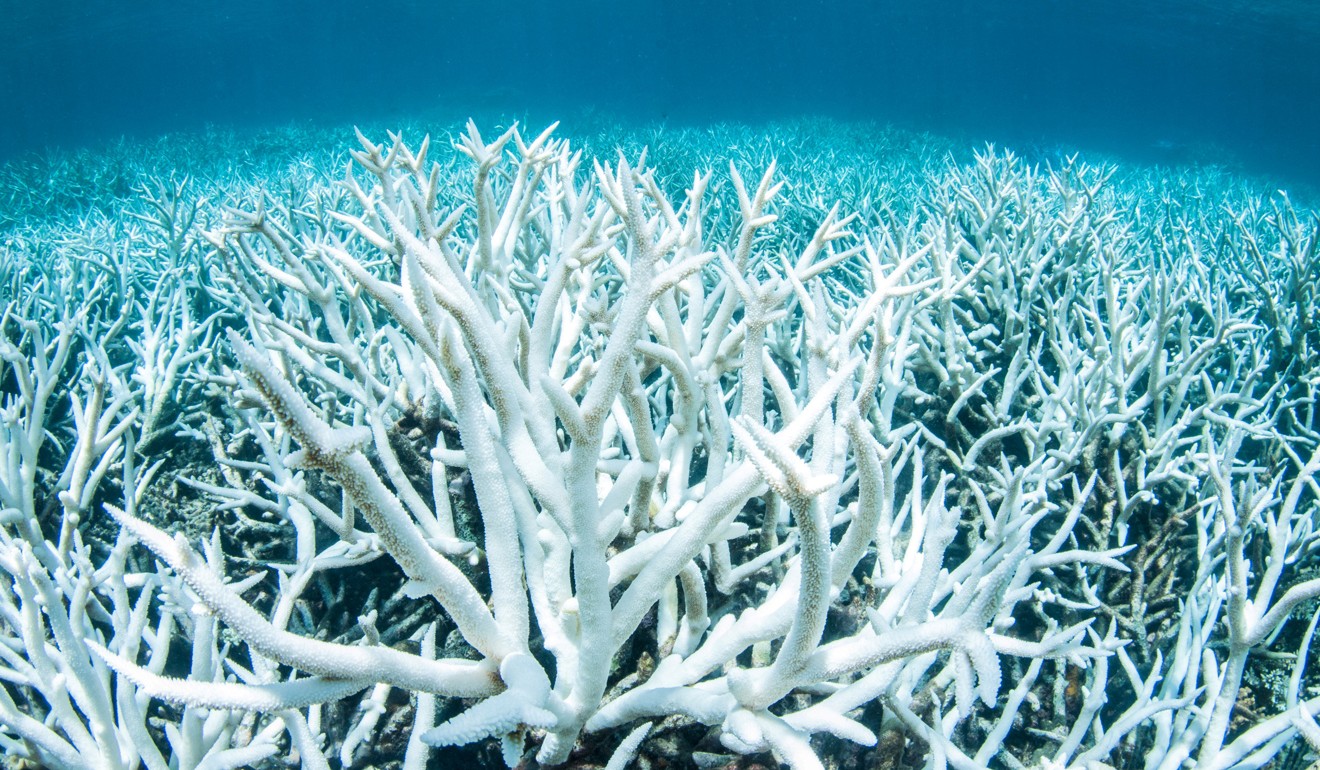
(967, 462)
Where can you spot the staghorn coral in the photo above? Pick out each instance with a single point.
(639, 455)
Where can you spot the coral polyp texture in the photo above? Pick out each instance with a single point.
(495, 447)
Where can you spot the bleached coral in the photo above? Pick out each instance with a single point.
(903, 474)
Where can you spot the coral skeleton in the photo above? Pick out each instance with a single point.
(1015, 466)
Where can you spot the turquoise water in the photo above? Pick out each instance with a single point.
(1167, 81)
(1071, 252)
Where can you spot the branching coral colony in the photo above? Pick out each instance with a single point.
(1021, 472)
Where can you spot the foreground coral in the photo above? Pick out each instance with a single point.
(1010, 473)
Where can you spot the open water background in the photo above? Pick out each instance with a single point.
(1166, 80)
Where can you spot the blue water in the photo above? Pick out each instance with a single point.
(1168, 81)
